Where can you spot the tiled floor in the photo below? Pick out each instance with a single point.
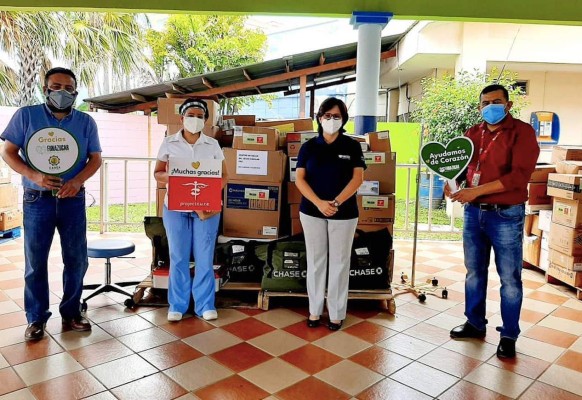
(251, 354)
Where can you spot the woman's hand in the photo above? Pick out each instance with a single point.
(326, 208)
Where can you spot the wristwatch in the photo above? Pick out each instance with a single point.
(335, 203)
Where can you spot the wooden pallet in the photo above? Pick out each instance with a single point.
(556, 281)
(10, 234)
(384, 296)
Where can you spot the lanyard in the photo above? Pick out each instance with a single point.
(483, 154)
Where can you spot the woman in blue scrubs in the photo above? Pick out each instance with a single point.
(190, 232)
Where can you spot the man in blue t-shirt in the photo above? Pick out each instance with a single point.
(53, 200)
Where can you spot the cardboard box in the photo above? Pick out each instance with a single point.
(255, 165)
(379, 141)
(302, 124)
(239, 120)
(376, 227)
(254, 138)
(8, 196)
(544, 259)
(381, 167)
(566, 240)
(293, 194)
(545, 240)
(10, 219)
(293, 148)
(561, 153)
(527, 224)
(5, 170)
(569, 167)
(252, 209)
(296, 227)
(292, 168)
(545, 220)
(567, 212)
(369, 188)
(294, 210)
(566, 261)
(541, 172)
(537, 194)
(535, 229)
(566, 186)
(160, 197)
(565, 275)
(531, 249)
(169, 114)
(375, 210)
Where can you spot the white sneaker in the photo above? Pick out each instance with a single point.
(174, 316)
(209, 315)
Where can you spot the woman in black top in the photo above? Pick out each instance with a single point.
(330, 169)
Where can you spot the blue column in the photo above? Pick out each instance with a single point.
(369, 26)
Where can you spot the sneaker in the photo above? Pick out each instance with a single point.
(209, 315)
(174, 316)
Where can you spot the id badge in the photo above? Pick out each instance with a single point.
(476, 178)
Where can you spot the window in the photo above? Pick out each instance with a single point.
(523, 86)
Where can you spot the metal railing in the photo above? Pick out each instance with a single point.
(426, 225)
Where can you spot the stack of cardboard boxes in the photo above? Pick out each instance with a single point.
(10, 215)
(565, 237)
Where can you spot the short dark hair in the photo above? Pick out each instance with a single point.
(192, 102)
(493, 88)
(59, 70)
(327, 105)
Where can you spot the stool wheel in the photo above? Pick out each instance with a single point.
(129, 303)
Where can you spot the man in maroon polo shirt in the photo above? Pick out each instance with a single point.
(506, 151)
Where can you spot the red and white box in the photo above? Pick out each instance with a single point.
(194, 185)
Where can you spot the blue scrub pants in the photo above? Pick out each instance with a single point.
(187, 233)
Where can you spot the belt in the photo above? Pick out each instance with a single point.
(490, 207)
(40, 193)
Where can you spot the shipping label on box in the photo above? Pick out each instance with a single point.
(566, 186)
(565, 275)
(545, 240)
(252, 197)
(255, 165)
(292, 168)
(567, 212)
(251, 162)
(376, 209)
(374, 158)
(566, 240)
(566, 261)
(545, 220)
(370, 188)
(255, 138)
(194, 185)
(381, 167)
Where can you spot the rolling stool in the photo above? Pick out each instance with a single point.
(108, 249)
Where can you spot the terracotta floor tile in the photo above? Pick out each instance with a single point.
(363, 312)
(380, 360)
(541, 391)
(568, 313)
(311, 359)
(233, 388)
(301, 330)
(10, 381)
(28, 351)
(532, 284)
(552, 336)
(248, 328)
(125, 326)
(547, 297)
(530, 367)
(187, 327)
(370, 332)
(390, 389)
(571, 359)
(241, 357)
(533, 317)
(450, 362)
(12, 319)
(171, 354)
(99, 353)
(468, 391)
(153, 387)
(251, 311)
(312, 388)
(68, 387)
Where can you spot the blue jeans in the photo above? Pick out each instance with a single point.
(42, 214)
(188, 235)
(501, 230)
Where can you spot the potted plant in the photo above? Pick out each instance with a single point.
(449, 106)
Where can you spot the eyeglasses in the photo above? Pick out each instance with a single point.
(329, 116)
(68, 88)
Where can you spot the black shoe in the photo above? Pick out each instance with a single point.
(78, 324)
(312, 323)
(34, 331)
(506, 348)
(467, 331)
(335, 327)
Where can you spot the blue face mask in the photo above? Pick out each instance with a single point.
(493, 113)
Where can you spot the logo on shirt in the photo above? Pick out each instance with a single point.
(344, 157)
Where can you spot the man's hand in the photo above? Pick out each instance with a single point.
(467, 195)
(326, 208)
(47, 181)
(70, 188)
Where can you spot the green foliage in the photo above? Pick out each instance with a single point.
(449, 104)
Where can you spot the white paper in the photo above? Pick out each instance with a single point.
(251, 162)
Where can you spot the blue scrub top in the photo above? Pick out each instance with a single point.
(28, 120)
(328, 170)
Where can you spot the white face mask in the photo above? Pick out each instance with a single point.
(193, 124)
(331, 126)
